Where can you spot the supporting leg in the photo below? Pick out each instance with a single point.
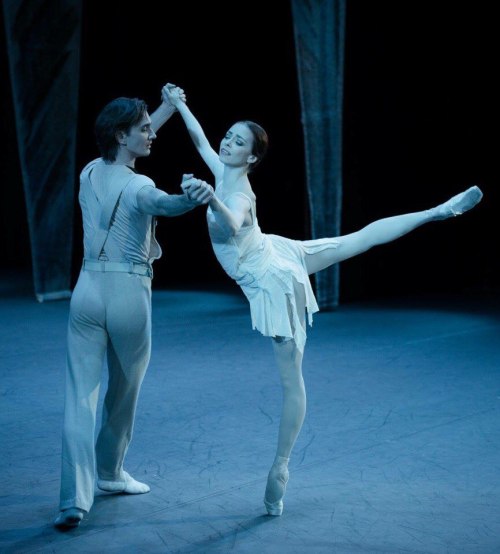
(289, 361)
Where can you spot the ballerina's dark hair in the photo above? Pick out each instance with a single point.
(260, 142)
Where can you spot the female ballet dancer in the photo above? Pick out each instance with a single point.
(273, 271)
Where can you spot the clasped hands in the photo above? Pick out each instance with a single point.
(173, 94)
(196, 190)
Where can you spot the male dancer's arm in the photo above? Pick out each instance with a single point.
(153, 201)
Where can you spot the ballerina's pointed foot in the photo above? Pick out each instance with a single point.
(458, 204)
(276, 487)
(128, 485)
(69, 518)
(274, 508)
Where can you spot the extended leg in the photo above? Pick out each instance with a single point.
(383, 231)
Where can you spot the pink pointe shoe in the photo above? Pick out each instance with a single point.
(458, 204)
(276, 486)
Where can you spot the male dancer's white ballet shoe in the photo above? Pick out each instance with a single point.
(128, 485)
(276, 486)
(69, 518)
(458, 204)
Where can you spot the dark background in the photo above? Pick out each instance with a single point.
(420, 125)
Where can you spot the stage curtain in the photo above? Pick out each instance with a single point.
(43, 47)
(319, 34)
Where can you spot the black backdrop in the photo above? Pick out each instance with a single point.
(420, 122)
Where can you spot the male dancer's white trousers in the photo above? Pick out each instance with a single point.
(110, 316)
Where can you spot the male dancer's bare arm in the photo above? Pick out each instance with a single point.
(153, 201)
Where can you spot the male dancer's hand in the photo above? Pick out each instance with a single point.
(196, 190)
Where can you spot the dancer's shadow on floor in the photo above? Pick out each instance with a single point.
(240, 528)
(219, 541)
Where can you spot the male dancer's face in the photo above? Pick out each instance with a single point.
(140, 137)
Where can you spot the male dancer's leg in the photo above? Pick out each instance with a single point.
(87, 341)
(129, 327)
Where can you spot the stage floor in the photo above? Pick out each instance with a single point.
(399, 452)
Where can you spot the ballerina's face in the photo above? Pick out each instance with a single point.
(236, 146)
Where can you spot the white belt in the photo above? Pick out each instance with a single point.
(121, 267)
